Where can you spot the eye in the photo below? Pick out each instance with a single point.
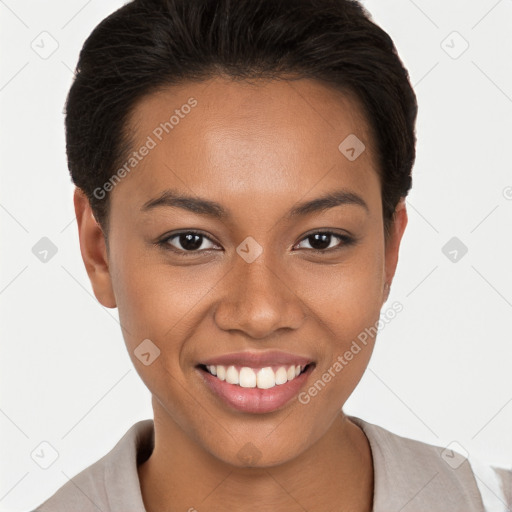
(322, 241)
(186, 242)
(194, 242)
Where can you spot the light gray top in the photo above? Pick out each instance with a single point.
(409, 476)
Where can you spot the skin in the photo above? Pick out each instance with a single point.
(258, 149)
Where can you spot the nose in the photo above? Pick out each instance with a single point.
(259, 299)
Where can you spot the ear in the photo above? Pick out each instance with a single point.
(94, 250)
(397, 229)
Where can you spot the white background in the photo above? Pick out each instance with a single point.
(441, 371)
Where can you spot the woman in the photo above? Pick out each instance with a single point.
(241, 171)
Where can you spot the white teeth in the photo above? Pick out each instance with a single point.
(247, 377)
(232, 375)
(262, 378)
(281, 376)
(220, 371)
(266, 378)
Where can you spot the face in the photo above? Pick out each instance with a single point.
(244, 266)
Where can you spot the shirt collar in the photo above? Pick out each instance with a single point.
(412, 476)
(408, 475)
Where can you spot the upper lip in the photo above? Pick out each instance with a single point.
(258, 359)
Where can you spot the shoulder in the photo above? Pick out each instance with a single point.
(414, 476)
(111, 483)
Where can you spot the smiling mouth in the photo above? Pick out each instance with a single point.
(261, 377)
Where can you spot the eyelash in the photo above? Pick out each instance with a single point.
(164, 243)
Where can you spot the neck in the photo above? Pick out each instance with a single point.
(336, 473)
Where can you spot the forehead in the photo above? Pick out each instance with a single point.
(224, 137)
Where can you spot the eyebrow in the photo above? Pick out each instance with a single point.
(201, 206)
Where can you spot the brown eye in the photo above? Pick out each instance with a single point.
(186, 241)
(325, 240)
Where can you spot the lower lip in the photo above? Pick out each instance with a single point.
(255, 400)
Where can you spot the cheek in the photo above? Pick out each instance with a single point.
(156, 300)
(346, 302)
(348, 297)
(162, 302)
